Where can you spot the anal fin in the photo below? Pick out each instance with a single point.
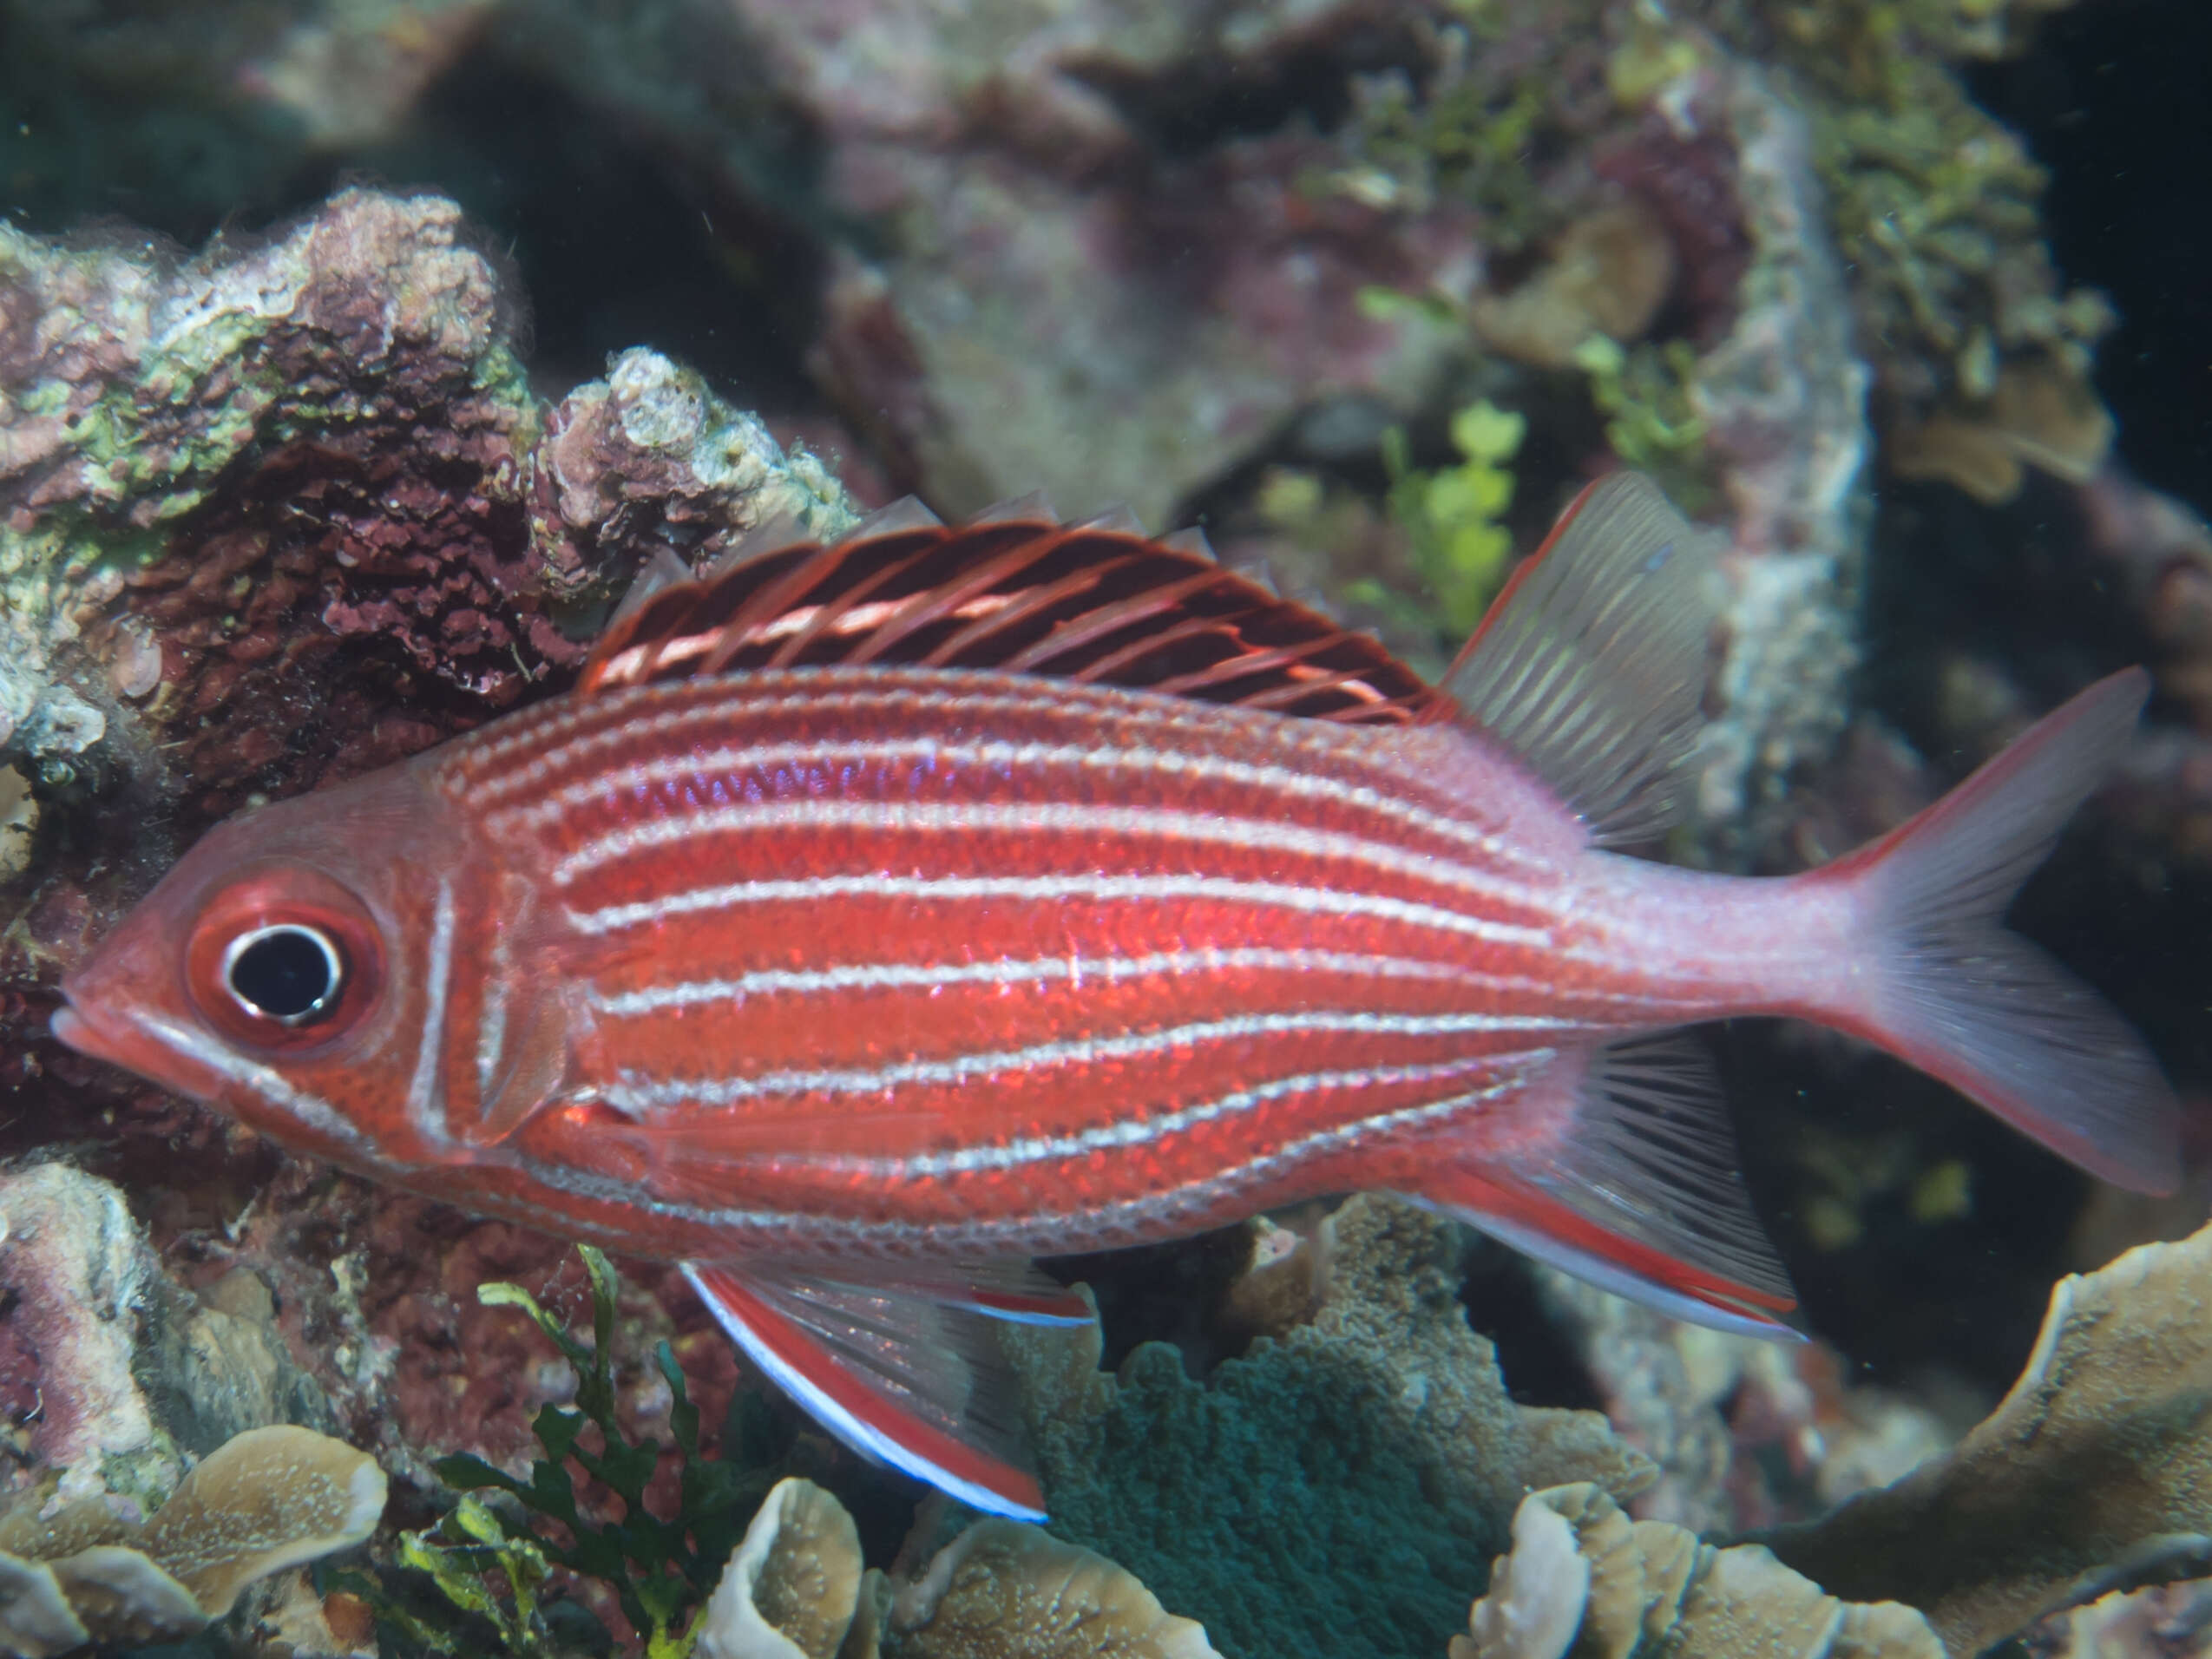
(901, 1367)
(1639, 1195)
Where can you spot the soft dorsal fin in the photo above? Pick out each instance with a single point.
(1592, 663)
(1100, 603)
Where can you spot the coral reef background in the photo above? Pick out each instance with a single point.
(355, 355)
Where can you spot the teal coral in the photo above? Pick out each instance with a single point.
(1353, 1478)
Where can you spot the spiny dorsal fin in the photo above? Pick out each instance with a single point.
(1098, 603)
(1121, 517)
(661, 570)
(1592, 663)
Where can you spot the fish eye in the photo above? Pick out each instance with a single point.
(284, 960)
(291, 973)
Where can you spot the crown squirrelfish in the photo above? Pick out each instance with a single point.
(874, 917)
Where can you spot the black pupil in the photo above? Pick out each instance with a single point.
(284, 974)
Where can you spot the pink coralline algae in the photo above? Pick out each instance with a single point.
(254, 501)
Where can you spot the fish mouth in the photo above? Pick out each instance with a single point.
(73, 1030)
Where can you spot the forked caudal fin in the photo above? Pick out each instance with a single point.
(1590, 667)
(1983, 1009)
(1639, 1192)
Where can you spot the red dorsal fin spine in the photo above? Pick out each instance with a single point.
(1015, 590)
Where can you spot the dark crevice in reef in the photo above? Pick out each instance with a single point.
(1197, 103)
(2116, 99)
(613, 240)
(612, 235)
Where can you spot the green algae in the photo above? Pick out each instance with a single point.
(1461, 132)
(1452, 517)
(490, 1558)
(1647, 395)
(1934, 204)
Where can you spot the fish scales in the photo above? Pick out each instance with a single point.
(1307, 1023)
(876, 916)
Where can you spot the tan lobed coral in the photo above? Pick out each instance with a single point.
(2102, 1448)
(791, 1588)
(268, 1499)
(1584, 1580)
(794, 1589)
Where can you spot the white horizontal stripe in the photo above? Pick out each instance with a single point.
(1081, 971)
(651, 1099)
(824, 692)
(840, 1239)
(1075, 970)
(1131, 1132)
(1054, 889)
(1154, 823)
(1181, 766)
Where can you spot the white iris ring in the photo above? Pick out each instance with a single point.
(334, 977)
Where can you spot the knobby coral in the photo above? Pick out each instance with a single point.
(795, 1590)
(268, 1499)
(1584, 1580)
(246, 495)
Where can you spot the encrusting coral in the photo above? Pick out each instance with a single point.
(75, 1268)
(792, 1586)
(1585, 1582)
(248, 495)
(1004, 1591)
(269, 1499)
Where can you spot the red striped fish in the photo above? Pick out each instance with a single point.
(874, 917)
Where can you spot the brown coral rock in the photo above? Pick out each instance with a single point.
(268, 1499)
(2104, 1444)
(794, 1589)
(2038, 414)
(1608, 273)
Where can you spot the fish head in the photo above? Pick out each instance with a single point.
(293, 968)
